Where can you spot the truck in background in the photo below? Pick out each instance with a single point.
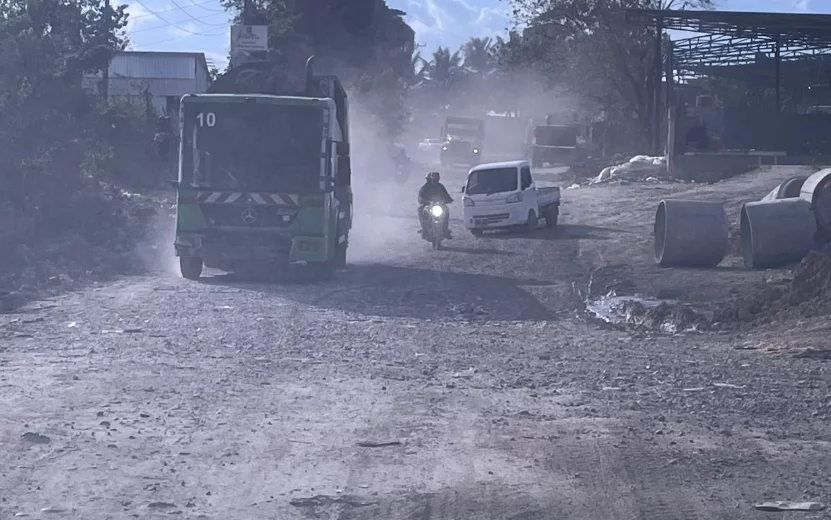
(264, 174)
(463, 138)
(557, 140)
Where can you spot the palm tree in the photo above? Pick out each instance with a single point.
(445, 68)
(507, 52)
(418, 69)
(478, 54)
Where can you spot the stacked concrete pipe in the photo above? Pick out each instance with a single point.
(782, 227)
(817, 191)
(776, 232)
(789, 189)
(690, 233)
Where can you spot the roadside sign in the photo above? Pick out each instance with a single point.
(249, 38)
(248, 43)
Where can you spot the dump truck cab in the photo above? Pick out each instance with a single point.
(556, 140)
(462, 141)
(264, 179)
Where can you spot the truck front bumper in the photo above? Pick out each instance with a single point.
(494, 217)
(450, 157)
(227, 248)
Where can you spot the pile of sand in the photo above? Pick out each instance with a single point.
(805, 294)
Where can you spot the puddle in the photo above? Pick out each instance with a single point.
(616, 309)
(647, 314)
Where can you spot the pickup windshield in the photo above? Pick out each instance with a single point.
(252, 147)
(496, 180)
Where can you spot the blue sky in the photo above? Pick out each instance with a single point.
(202, 25)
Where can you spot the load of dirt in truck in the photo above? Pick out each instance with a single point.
(805, 292)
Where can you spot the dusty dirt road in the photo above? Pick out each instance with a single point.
(419, 385)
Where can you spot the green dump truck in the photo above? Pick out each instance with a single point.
(264, 177)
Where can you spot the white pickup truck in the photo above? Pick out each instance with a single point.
(504, 194)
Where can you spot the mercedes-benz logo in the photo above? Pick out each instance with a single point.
(249, 216)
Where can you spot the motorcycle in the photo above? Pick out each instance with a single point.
(435, 216)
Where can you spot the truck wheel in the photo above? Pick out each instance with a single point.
(321, 270)
(476, 232)
(339, 261)
(190, 267)
(551, 217)
(533, 222)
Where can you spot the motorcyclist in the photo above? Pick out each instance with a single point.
(434, 191)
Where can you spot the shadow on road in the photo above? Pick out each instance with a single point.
(408, 292)
(561, 232)
(475, 251)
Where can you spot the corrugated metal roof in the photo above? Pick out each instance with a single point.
(199, 56)
(148, 66)
(159, 65)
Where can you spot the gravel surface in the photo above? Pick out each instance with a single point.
(465, 383)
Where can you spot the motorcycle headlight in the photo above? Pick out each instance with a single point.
(475, 150)
(436, 211)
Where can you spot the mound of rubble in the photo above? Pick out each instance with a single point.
(638, 168)
(804, 293)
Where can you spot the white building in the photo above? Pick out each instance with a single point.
(154, 79)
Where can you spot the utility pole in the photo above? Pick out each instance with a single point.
(247, 12)
(105, 76)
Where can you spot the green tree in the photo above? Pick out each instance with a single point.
(365, 42)
(479, 55)
(45, 48)
(444, 69)
(592, 50)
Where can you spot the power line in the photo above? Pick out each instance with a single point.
(197, 4)
(179, 38)
(139, 2)
(176, 26)
(193, 17)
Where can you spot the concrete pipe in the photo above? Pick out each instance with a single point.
(789, 189)
(817, 191)
(690, 233)
(776, 233)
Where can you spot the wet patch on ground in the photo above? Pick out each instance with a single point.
(613, 298)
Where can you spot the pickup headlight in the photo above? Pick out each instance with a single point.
(468, 202)
(516, 197)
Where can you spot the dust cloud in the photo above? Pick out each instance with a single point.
(155, 250)
(384, 210)
(506, 104)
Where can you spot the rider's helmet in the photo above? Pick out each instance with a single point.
(433, 176)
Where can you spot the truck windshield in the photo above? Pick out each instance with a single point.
(556, 135)
(252, 147)
(463, 131)
(496, 180)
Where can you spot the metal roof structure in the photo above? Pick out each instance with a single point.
(739, 38)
